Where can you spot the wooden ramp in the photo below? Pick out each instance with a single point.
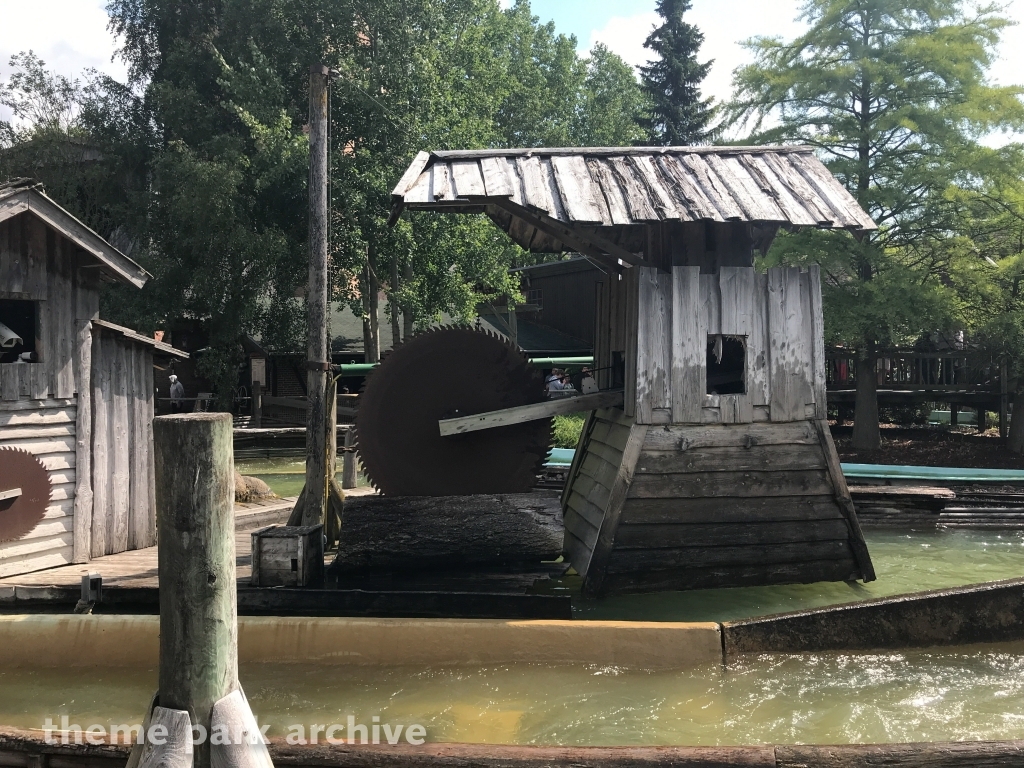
(673, 507)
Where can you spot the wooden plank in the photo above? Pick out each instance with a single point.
(66, 333)
(715, 534)
(818, 342)
(83, 444)
(712, 306)
(776, 508)
(10, 493)
(497, 181)
(759, 204)
(758, 346)
(120, 447)
(799, 189)
(440, 182)
(37, 433)
(641, 206)
(681, 438)
(842, 494)
(532, 412)
(731, 459)
(687, 191)
(10, 381)
(848, 212)
(712, 187)
(595, 573)
(590, 512)
(806, 572)
(577, 459)
(688, 347)
(42, 415)
(664, 201)
(38, 380)
(627, 560)
(468, 180)
(629, 299)
(536, 194)
(751, 484)
(150, 410)
(138, 478)
(101, 459)
(654, 343)
(767, 178)
(604, 177)
(411, 175)
(36, 561)
(784, 394)
(44, 446)
(583, 200)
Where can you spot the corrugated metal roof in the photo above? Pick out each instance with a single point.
(611, 188)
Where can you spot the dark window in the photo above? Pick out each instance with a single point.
(20, 321)
(727, 365)
(535, 296)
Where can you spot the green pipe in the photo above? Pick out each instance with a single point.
(362, 369)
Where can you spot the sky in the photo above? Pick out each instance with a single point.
(71, 35)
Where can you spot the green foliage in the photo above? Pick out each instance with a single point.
(567, 430)
(895, 97)
(198, 166)
(677, 113)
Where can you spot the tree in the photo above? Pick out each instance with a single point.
(678, 114)
(894, 95)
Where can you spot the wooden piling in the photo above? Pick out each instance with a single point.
(257, 405)
(196, 563)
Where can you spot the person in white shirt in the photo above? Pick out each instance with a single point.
(177, 395)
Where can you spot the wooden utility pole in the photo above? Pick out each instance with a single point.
(317, 302)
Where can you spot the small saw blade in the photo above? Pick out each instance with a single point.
(445, 373)
(19, 514)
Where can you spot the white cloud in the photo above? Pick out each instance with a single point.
(69, 35)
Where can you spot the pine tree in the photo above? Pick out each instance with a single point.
(678, 114)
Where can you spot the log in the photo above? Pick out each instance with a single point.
(196, 564)
(444, 532)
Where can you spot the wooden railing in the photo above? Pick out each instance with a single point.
(909, 370)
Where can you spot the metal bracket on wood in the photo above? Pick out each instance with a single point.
(314, 365)
(92, 593)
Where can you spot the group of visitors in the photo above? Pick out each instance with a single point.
(562, 384)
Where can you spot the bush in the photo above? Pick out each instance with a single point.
(568, 430)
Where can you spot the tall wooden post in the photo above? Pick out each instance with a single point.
(257, 405)
(317, 301)
(196, 563)
(1004, 400)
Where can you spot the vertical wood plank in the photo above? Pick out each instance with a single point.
(781, 394)
(712, 304)
(818, 343)
(150, 412)
(10, 382)
(736, 291)
(138, 512)
(798, 318)
(629, 288)
(790, 349)
(616, 500)
(758, 350)
(654, 343)
(688, 347)
(64, 384)
(100, 441)
(82, 551)
(121, 467)
(601, 321)
(39, 376)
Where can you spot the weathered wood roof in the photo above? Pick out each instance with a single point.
(610, 188)
(159, 347)
(20, 195)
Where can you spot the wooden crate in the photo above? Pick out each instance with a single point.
(288, 556)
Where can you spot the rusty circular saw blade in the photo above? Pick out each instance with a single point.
(444, 373)
(18, 516)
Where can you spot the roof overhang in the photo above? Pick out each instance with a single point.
(16, 199)
(598, 201)
(159, 347)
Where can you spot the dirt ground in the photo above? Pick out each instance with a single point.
(932, 447)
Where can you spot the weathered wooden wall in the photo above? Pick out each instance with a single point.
(659, 322)
(39, 407)
(123, 514)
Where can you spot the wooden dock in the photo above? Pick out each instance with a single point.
(130, 585)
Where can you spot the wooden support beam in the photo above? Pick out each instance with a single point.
(588, 243)
(532, 412)
(13, 493)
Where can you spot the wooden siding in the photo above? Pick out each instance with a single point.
(123, 515)
(737, 505)
(38, 264)
(776, 314)
(46, 429)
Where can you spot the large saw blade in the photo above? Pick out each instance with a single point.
(444, 373)
(26, 484)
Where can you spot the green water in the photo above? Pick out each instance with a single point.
(905, 561)
(285, 475)
(931, 695)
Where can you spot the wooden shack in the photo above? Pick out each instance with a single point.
(82, 403)
(718, 469)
